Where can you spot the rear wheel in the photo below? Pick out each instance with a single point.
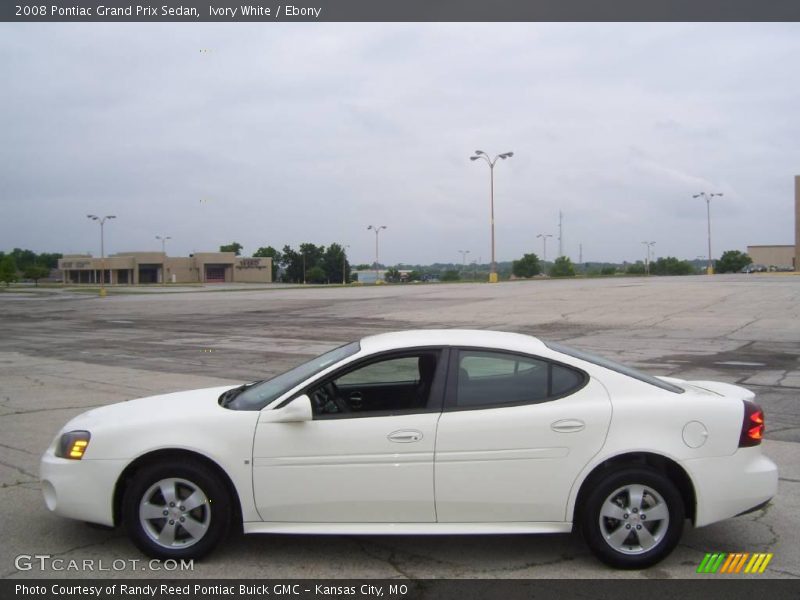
(633, 518)
(176, 510)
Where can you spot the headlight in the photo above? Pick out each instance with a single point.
(73, 444)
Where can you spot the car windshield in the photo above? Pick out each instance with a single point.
(615, 366)
(261, 394)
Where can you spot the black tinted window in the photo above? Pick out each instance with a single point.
(563, 380)
(493, 378)
(497, 378)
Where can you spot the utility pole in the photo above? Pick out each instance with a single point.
(560, 234)
(580, 254)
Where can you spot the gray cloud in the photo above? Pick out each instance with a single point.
(310, 132)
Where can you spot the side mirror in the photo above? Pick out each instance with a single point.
(297, 411)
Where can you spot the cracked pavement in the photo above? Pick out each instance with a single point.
(63, 352)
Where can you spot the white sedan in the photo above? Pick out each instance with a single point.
(421, 432)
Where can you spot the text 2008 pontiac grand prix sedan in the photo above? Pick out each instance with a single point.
(421, 432)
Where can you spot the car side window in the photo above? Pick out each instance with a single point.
(394, 384)
(488, 378)
(397, 370)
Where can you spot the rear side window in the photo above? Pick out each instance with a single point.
(487, 379)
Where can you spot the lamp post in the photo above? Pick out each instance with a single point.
(544, 237)
(491, 163)
(707, 197)
(164, 239)
(377, 230)
(102, 221)
(463, 254)
(648, 245)
(344, 264)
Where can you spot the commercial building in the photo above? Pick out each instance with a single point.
(133, 268)
(772, 256)
(797, 222)
(781, 255)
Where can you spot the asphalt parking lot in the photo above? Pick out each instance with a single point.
(62, 352)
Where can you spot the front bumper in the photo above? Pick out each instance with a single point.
(80, 489)
(731, 485)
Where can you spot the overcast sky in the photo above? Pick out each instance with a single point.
(273, 134)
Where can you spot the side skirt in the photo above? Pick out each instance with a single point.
(406, 528)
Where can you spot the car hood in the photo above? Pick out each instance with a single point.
(165, 407)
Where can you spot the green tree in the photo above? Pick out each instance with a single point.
(636, 268)
(316, 275)
(270, 252)
(669, 265)
(732, 261)
(527, 266)
(415, 276)
(35, 273)
(292, 264)
(23, 258)
(313, 256)
(392, 275)
(451, 275)
(333, 260)
(8, 270)
(562, 267)
(49, 259)
(235, 247)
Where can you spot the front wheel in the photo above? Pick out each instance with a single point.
(176, 510)
(633, 518)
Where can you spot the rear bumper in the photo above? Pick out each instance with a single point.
(728, 486)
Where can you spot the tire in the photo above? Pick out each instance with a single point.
(196, 503)
(633, 518)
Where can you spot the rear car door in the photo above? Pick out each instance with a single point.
(515, 432)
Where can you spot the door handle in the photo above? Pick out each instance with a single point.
(405, 436)
(568, 426)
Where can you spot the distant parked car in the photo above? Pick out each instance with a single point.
(422, 432)
(754, 268)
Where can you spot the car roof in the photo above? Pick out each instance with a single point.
(452, 337)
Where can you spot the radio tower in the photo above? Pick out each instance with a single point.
(560, 235)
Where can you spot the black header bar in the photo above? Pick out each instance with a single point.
(191, 11)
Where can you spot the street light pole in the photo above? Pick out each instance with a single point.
(344, 264)
(463, 259)
(491, 163)
(544, 237)
(164, 239)
(102, 221)
(707, 197)
(377, 230)
(648, 245)
(163, 242)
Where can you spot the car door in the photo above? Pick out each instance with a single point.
(366, 456)
(515, 432)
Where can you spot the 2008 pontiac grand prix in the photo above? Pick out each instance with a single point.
(421, 432)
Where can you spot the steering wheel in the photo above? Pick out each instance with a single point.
(328, 401)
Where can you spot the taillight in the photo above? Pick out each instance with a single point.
(752, 425)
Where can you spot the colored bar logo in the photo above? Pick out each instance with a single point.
(735, 562)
